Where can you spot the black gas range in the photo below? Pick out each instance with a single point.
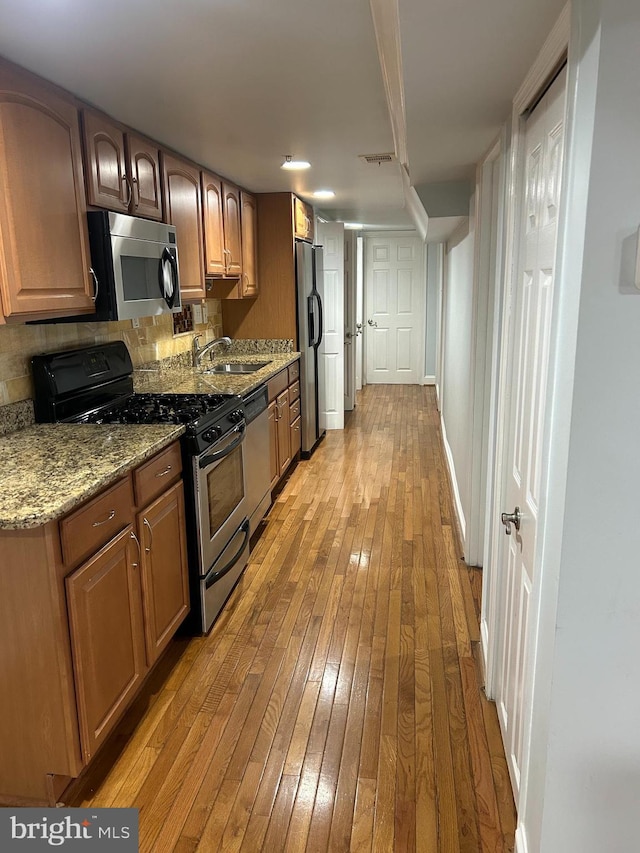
(94, 385)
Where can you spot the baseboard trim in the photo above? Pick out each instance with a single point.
(454, 482)
(428, 380)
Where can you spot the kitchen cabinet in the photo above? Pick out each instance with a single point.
(302, 220)
(44, 253)
(232, 235)
(182, 200)
(89, 602)
(249, 226)
(284, 422)
(165, 581)
(215, 254)
(109, 664)
(272, 312)
(123, 169)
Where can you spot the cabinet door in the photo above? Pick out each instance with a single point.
(249, 223)
(284, 432)
(296, 436)
(302, 219)
(44, 252)
(273, 446)
(232, 239)
(107, 183)
(165, 581)
(107, 637)
(183, 208)
(215, 257)
(143, 166)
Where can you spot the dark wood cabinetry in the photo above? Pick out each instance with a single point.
(249, 226)
(44, 251)
(107, 587)
(182, 198)
(123, 169)
(272, 314)
(284, 421)
(232, 236)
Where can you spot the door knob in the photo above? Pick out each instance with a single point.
(509, 518)
(372, 323)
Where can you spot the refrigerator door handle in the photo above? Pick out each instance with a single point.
(311, 321)
(320, 319)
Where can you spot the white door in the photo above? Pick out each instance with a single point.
(394, 295)
(350, 258)
(519, 593)
(331, 236)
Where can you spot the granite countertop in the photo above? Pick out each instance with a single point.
(159, 378)
(51, 468)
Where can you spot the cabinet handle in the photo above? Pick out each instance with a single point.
(146, 524)
(166, 471)
(129, 190)
(96, 284)
(110, 517)
(137, 541)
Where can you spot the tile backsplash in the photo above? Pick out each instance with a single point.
(154, 339)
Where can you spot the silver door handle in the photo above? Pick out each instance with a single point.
(372, 323)
(150, 529)
(135, 538)
(509, 518)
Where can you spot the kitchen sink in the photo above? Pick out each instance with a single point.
(237, 367)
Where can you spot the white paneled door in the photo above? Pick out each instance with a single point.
(533, 284)
(395, 283)
(330, 235)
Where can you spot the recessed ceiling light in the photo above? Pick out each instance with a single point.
(324, 194)
(355, 226)
(293, 165)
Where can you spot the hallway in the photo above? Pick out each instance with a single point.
(336, 704)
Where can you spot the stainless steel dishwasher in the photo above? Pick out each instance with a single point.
(256, 454)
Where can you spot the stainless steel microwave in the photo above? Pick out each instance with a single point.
(135, 263)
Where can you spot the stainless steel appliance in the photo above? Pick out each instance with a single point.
(257, 456)
(310, 291)
(135, 263)
(94, 385)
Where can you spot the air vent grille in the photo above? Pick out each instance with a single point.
(377, 159)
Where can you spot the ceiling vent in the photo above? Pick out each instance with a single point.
(377, 159)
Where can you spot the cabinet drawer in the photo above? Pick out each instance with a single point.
(294, 371)
(87, 529)
(294, 408)
(278, 384)
(294, 391)
(156, 475)
(296, 437)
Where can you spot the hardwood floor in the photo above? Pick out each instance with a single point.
(336, 704)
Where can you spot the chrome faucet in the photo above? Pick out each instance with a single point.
(198, 351)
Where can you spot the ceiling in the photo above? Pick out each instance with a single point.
(238, 84)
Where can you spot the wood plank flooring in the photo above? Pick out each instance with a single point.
(337, 704)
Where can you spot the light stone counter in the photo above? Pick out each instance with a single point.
(175, 378)
(49, 469)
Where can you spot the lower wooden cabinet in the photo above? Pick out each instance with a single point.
(107, 638)
(106, 587)
(284, 411)
(165, 581)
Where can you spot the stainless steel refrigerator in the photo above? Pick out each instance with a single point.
(310, 292)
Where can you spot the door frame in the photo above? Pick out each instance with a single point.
(421, 309)
(350, 310)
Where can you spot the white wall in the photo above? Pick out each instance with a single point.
(457, 318)
(431, 303)
(584, 791)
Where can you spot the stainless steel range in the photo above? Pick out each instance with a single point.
(94, 385)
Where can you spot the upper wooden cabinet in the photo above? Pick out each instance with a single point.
(303, 220)
(232, 238)
(182, 198)
(44, 251)
(222, 230)
(123, 170)
(249, 225)
(143, 166)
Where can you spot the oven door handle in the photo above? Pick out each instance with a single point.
(205, 461)
(214, 576)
